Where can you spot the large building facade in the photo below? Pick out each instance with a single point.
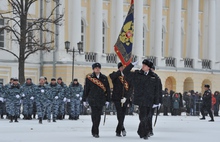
(178, 36)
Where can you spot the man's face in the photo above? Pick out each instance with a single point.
(15, 82)
(42, 81)
(11, 81)
(53, 81)
(28, 81)
(59, 81)
(75, 82)
(145, 68)
(121, 68)
(97, 70)
(206, 88)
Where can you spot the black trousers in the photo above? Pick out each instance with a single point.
(96, 118)
(121, 111)
(150, 119)
(208, 109)
(165, 110)
(144, 125)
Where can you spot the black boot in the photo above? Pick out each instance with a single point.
(40, 120)
(29, 117)
(70, 118)
(34, 116)
(2, 116)
(16, 119)
(11, 119)
(45, 117)
(25, 117)
(54, 120)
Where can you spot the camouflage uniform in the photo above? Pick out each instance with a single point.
(75, 95)
(6, 87)
(62, 101)
(1, 100)
(13, 97)
(56, 91)
(28, 96)
(43, 99)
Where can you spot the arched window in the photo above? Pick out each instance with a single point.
(144, 40)
(83, 34)
(104, 36)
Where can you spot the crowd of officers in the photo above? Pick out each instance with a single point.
(143, 86)
(47, 100)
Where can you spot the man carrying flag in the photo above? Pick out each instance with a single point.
(120, 96)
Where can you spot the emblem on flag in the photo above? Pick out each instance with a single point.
(123, 46)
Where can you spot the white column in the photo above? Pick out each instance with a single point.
(177, 32)
(75, 19)
(194, 33)
(212, 28)
(138, 29)
(158, 32)
(119, 16)
(116, 21)
(75, 23)
(98, 29)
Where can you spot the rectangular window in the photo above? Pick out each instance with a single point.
(2, 33)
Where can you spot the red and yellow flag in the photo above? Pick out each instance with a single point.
(123, 46)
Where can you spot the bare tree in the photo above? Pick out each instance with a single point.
(26, 30)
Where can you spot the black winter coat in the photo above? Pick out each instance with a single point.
(146, 88)
(96, 95)
(207, 99)
(166, 100)
(118, 88)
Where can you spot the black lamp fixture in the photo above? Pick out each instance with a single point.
(80, 49)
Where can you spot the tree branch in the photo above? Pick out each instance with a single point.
(9, 52)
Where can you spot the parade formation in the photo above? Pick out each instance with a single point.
(49, 102)
(52, 101)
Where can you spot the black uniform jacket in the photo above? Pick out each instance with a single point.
(146, 87)
(96, 95)
(119, 90)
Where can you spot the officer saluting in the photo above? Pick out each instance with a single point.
(146, 93)
(97, 91)
(207, 103)
(120, 96)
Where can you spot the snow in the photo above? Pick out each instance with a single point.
(168, 129)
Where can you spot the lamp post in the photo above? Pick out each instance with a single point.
(80, 49)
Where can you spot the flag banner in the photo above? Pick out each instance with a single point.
(123, 46)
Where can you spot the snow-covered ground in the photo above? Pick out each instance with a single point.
(168, 129)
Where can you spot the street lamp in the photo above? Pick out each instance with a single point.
(80, 49)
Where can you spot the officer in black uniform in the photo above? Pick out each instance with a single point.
(146, 93)
(160, 102)
(207, 103)
(120, 96)
(97, 91)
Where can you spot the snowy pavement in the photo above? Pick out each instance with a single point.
(168, 129)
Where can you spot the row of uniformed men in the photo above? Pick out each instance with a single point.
(49, 98)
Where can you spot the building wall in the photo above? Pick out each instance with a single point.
(178, 78)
